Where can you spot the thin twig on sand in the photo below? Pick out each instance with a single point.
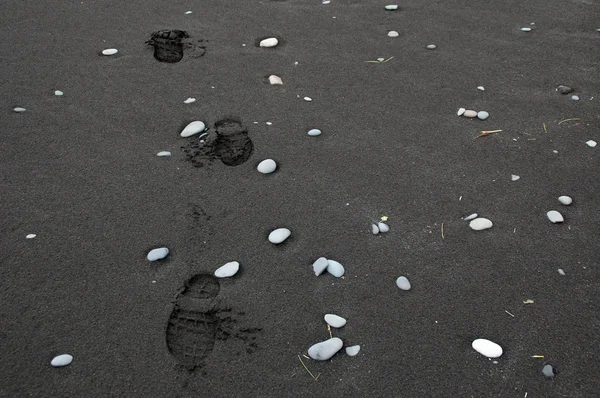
(488, 132)
(309, 372)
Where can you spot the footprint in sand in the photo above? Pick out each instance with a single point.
(169, 45)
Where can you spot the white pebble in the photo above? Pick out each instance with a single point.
(279, 235)
(308, 99)
(273, 79)
(515, 177)
(391, 7)
(555, 217)
(335, 321)
(374, 229)
(383, 227)
(18, 109)
(110, 51)
(470, 113)
(461, 111)
(163, 153)
(270, 42)
(157, 254)
(188, 12)
(334, 268)
(352, 351)
(526, 29)
(320, 265)
(481, 88)
(193, 128)
(267, 166)
(487, 348)
(269, 123)
(480, 224)
(575, 97)
(431, 46)
(58, 93)
(403, 283)
(30, 236)
(471, 217)
(565, 200)
(189, 100)
(482, 115)
(314, 132)
(591, 143)
(61, 360)
(227, 270)
(561, 272)
(326, 349)
(380, 59)
(393, 33)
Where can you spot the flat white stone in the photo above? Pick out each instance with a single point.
(267, 166)
(334, 268)
(431, 46)
(110, 51)
(393, 33)
(30, 236)
(18, 109)
(481, 88)
(482, 115)
(565, 200)
(189, 100)
(320, 265)
(591, 143)
(163, 153)
(555, 217)
(461, 111)
(269, 123)
(193, 128)
(403, 283)
(157, 254)
(308, 99)
(391, 7)
(279, 235)
(188, 12)
(514, 177)
(326, 349)
(227, 270)
(471, 217)
(61, 360)
(58, 93)
(383, 227)
(270, 42)
(374, 229)
(334, 321)
(487, 348)
(526, 29)
(273, 80)
(480, 224)
(314, 132)
(470, 113)
(352, 351)
(561, 272)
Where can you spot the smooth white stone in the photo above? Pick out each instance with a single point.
(555, 217)
(163, 153)
(515, 177)
(391, 7)
(188, 12)
(61, 360)
(461, 111)
(326, 349)
(591, 143)
(393, 33)
(481, 88)
(193, 128)
(58, 93)
(334, 268)
(30, 236)
(308, 99)
(482, 115)
(270, 42)
(487, 348)
(526, 29)
(470, 113)
(335, 321)
(480, 224)
(189, 100)
(269, 123)
(374, 229)
(314, 132)
(352, 351)
(575, 97)
(157, 254)
(279, 235)
(471, 217)
(561, 272)
(383, 227)
(565, 200)
(227, 270)
(267, 166)
(19, 109)
(110, 51)
(403, 283)
(431, 46)
(320, 265)
(380, 59)
(273, 80)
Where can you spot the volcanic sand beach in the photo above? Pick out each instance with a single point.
(81, 172)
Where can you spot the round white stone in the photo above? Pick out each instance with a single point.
(157, 254)
(30, 236)
(61, 360)
(270, 42)
(403, 283)
(487, 348)
(480, 224)
(565, 200)
(352, 351)
(189, 100)
(431, 46)
(591, 143)
(279, 235)
(273, 80)
(470, 113)
(515, 177)
(383, 227)
(335, 321)
(320, 265)
(374, 229)
(555, 217)
(18, 109)
(471, 217)
(193, 128)
(227, 270)
(267, 166)
(334, 268)
(482, 115)
(526, 29)
(110, 51)
(393, 33)
(461, 111)
(391, 7)
(481, 88)
(163, 153)
(326, 349)
(58, 93)
(314, 132)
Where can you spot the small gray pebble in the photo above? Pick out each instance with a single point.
(482, 115)
(564, 89)
(575, 98)
(548, 372)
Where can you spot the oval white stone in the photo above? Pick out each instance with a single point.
(374, 229)
(279, 235)
(471, 217)
(590, 143)
(275, 80)
(561, 272)
(481, 88)
(30, 236)
(352, 351)
(391, 7)
(314, 132)
(270, 42)
(431, 46)
(157, 254)
(470, 113)
(393, 33)
(403, 283)
(189, 100)
(482, 115)
(267, 166)
(383, 227)
(308, 99)
(193, 128)
(334, 268)
(335, 321)
(227, 270)
(487, 348)
(515, 177)
(19, 109)
(461, 111)
(110, 51)
(61, 360)
(163, 153)
(526, 29)
(58, 93)
(479, 224)
(565, 200)
(320, 265)
(555, 217)
(326, 349)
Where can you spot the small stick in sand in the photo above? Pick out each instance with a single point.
(309, 372)
(544, 124)
(443, 231)
(329, 330)
(568, 120)
(537, 356)
(488, 132)
(509, 313)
